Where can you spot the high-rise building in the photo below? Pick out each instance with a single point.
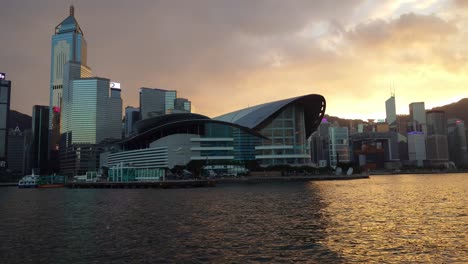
(72, 71)
(40, 130)
(16, 151)
(95, 116)
(68, 44)
(156, 102)
(5, 91)
(390, 110)
(417, 147)
(339, 146)
(132, 115)
(418, 117)
(458, 152)
(436, 144)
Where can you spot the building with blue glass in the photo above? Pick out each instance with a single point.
(68, 44)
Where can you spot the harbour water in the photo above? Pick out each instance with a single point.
(384, 219)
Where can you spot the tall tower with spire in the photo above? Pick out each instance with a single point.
(68, 45)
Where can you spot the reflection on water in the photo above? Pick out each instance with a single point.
(407, 218)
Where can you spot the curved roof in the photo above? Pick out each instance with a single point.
(157, 121)
(256, 116)
(151, 129)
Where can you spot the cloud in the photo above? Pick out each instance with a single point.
(225, 55)
(405, 31)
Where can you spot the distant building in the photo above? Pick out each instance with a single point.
(403, 121)
(390, 110)
(156, 102)
(436, 144)
(457, 142)
(5, 91)
(417, 148)
(132, 115)
(339, 150)
(182, 105)
(39, 148)
(375, 150)
(418, 117)
(319, 145)
(16, 151)
(382, 127)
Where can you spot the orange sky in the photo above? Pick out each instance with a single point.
(227, 55)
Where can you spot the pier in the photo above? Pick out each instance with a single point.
(141, 185)
(262, 179)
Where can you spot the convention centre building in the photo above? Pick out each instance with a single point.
(274, 133)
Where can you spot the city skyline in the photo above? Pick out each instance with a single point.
(252, 54)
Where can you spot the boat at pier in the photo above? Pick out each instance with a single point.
(29, 181)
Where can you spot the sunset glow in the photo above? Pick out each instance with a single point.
(227, 55)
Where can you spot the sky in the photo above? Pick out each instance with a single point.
(226, 55)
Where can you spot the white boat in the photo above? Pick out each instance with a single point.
(29, 181)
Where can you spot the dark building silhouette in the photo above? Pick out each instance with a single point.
(5, 91)
(40, 130)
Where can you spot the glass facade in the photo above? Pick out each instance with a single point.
(339, 145)
(287, 143)
(169, 100)
(68, 44)
(95, 116)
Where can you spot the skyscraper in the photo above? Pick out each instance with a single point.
(436, 145)
(418, 117)
(68, 44)
(457, 142)
(95, 115)
(390, 110)
(417, 147)
(39, 148)
(5, 91)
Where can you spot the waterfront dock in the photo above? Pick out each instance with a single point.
(141, 185)
(321, 177)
